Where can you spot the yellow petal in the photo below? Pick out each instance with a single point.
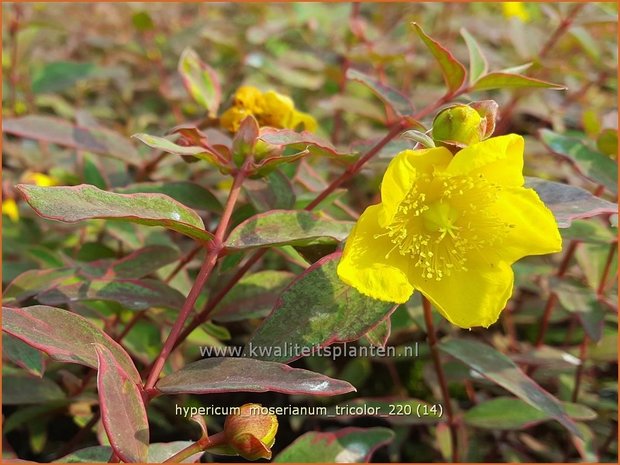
(474, 297)
(499, 159)
(401, 175)
(307, 122)
(248, 97)
(534, 230)
(231, 119)
(39, 179)
(364, 264)
(515, 10)
(10, 209)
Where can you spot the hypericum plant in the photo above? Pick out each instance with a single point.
(455, 213)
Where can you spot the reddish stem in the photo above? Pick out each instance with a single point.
(610, 258)
(553, 297)
(580, 369)
(215, 248)
(432, 340)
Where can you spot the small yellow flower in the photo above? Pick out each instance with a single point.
(232, 118)
(250, 432)
(451, 227)
(515, 10)
(10, 209)
(277, 110)
(249, 98)
(39, 179)
(302, 120)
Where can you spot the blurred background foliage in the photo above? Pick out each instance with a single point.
(114, 66)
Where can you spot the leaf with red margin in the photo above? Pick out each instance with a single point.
(397, 101)
(65, 133)
(499, 369)
(512, 81)
(568, 203)
(303, 140)
(332, 312)
(86, 202)
(349, 445)
(232, 374)
(452, 69)
(201, 81)
(122, 409)
(64, 336)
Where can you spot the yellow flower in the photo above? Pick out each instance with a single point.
(249, 98)
(251, 432)
(10, 209)
(302, 120)
(39, 179)
(232, 118)
(277, 110)
(515, 10)
(451, 227)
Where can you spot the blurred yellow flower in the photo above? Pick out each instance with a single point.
(516, 10)
(269, 109)
(39, 179)
(451, 227)
(10, 209)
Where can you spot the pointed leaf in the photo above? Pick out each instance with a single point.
(93, 454)
(201, 81)
(333, 312)
(134, 294)
(589, 231)
(512, 81)
(188, 193)
(303, 140)
(166, 145)
(568, 203)
(498, 368)
(394, 99)
(584, 303)
(137, 264)
(273, 192)
(64, 336)
(287, 227)
(84, 202)
(591, 163)
(61, 132)
(452, 69)
(228, 374)
(122, 409)
(478, 65)
(23, 355)
(253, 297)
(23, 390)
(349, 445)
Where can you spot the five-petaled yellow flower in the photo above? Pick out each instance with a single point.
(450, 226)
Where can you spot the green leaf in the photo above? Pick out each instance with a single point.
(273, 192)
(232, 374)
(452, 69)
(92, 173)
(349, 445)
(60, 75)
(498, 368)
(591, 163)
(122, 409)
(201, 81)
(287, 227)
(583, 302)
(568, 203)
(21, 354)
(508, 413)
(253, 297)
(64, 336)
(61, 132)
(166, 145)
(304, 141)
(512, 81)
(478, 65)
(23, 390)
(332, 312)
(132, 293)
(188, 193)
(589, 231)
(391, 97)
(93, 454)
(84, 202)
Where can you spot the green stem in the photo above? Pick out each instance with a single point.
(199, 446)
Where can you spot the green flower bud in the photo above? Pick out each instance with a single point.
(459, 125)
(251, 432)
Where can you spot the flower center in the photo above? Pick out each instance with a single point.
(443, 221)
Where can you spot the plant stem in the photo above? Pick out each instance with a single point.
(610, 258)
(580, 369)
(215, 248)
(553, 297)
(432, 340)
(202, 444)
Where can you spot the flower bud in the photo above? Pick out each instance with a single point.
(251, 432)
(459, 125)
